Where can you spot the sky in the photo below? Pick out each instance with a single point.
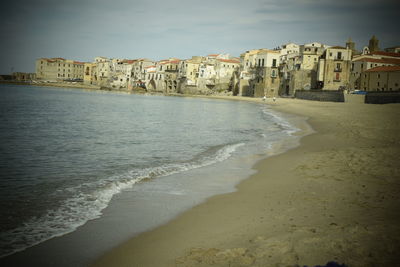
(159, 29)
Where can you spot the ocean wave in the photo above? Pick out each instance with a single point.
(280, 121)
(92, 198)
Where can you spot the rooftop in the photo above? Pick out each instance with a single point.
(379, 60)
(229, 60)
(384, 69)
(388, 54)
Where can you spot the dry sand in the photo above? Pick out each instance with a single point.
(333, 198)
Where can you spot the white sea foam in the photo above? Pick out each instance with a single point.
(85, 206)
(281, 121)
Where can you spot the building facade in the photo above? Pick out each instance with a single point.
(59, 69)
(383, 78)
(334, 68)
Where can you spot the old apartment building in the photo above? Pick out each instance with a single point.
(59, 69)
(334, 68)
(257, 73)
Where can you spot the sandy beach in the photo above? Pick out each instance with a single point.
(333, 198)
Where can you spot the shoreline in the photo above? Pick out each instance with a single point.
(322, 201)
(63, 245)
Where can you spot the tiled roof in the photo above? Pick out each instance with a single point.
(176, 61)
(229, 60)
(384, 69)
(388, 54)
(78, 62)
(380, 60)
(213, 55)
(129, 61)
(153, 66)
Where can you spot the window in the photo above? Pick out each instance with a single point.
(262, 62)
(379, 76)
(339, 55)
(274, 63)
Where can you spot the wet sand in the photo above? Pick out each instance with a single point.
(336, 197)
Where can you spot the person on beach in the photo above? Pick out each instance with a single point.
(274, 98)
(264, 97)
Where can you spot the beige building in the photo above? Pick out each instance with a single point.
(299, 70)
(166, 76)
(190, 70)
(260, 73)
(90, 73)
(383, 78)
(138, 73)
(150, 75)
(247, 63)
(59, 69)
(362, 64)
(334, 68)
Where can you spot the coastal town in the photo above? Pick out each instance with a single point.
(256, 73)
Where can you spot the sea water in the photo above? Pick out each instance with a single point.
(66, 153)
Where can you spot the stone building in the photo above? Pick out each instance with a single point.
(121, 73)
(362, 64)
(334, 68)
(209, 74)
(299, 70)
(138, 72)
(90, 73)
(149, 74)
(59, 69)
(166, 77)
(104, 71)
(383, 78)
(226, 74)
(246, 72)
(265, 74)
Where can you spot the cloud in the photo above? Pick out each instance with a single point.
(83, 29)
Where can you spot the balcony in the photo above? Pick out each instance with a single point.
(338, 70)
(339, 59)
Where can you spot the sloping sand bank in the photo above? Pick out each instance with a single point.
(335, 197)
